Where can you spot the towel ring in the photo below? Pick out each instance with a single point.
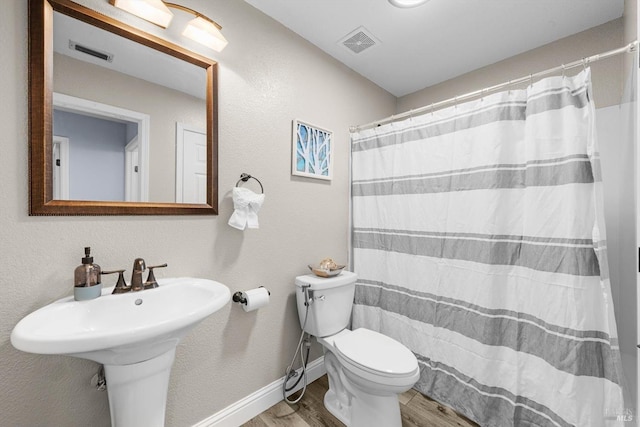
(244, 177)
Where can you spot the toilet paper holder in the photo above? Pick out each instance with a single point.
(241, 299)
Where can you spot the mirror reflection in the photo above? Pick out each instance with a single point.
(129, 122)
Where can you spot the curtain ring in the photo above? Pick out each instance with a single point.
(509, 86)
(563, 71)
(455, 102)
(584, 64)
(432, 108)
(530, 79)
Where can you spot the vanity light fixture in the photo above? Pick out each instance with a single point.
(407, 3)
(206, 32)
(154, 11)
(200, 29)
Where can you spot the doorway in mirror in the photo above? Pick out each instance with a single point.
(106, 148)
(191, 164)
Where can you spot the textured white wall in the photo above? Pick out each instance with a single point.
(267, 77)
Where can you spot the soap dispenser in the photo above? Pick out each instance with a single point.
(87, 279)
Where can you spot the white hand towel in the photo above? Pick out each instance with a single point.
(246, 204)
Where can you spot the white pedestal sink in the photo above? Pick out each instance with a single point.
(133, 334)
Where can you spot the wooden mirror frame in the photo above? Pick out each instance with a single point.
(41, 116)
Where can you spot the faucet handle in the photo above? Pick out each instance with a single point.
(151, 278)
(121, 286)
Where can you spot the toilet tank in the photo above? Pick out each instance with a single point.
(331, 302)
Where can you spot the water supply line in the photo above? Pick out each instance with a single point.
(290, 372)
(99, 380)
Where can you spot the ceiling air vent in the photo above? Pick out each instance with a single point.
(359, 40)
(90, 51)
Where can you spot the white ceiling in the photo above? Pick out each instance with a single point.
(428, 44)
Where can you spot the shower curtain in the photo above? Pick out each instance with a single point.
(479, 243)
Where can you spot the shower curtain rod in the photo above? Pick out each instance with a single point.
(631, 47)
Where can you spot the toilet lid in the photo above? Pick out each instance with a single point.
(376, 353)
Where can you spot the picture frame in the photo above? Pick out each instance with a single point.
(311, 151)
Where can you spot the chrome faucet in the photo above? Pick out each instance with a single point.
(139, 267)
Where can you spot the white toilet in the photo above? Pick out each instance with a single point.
(367, 370)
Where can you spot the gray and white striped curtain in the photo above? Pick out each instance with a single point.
(479, 243)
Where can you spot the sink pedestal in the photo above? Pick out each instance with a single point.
(138, 392)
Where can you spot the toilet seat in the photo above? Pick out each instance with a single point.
(376, 357)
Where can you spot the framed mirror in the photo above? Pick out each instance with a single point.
(121, 122)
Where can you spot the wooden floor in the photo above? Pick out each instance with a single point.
(416, 409)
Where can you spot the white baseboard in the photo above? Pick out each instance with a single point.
(259, 401)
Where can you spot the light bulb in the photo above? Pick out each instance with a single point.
(206, 33)
(154, 11)
(407, 3)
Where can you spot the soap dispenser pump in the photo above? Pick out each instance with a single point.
(87, 279)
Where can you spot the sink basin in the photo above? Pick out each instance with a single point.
(123, 328)
(133, 334)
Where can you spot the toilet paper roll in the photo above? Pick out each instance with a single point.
(256, 298)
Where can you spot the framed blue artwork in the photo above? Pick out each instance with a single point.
(312, 151)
